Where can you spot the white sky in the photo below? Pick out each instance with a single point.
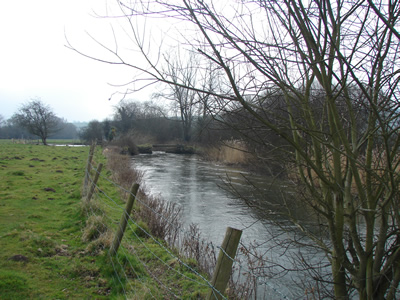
(34, 62)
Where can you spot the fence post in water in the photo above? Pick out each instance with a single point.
(124, 220)
(223, 268)
(88, 167)
(93, 186)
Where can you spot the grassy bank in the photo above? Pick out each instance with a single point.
(48, 250)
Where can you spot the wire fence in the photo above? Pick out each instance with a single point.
(172, 264)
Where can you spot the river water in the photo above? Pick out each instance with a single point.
(200, 188)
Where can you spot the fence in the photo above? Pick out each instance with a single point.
(131, 254)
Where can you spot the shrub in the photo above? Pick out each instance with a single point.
(126, 144)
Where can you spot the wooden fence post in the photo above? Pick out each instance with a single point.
(88, 167)
(223, 268)
(124, 220)
(93, 186)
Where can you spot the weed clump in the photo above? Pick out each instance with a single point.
(101, 243)
(95, 227)
(98, 234)
(197, 249)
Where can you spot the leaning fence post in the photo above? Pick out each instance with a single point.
(124, 219)
(88, 167)
(223, 268)
(93, 186)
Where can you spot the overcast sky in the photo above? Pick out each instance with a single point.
(34, 62)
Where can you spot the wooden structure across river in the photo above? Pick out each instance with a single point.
(168, 148)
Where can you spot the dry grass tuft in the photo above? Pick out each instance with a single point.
(103, 241)
(98, 234)
(95, 226)
(230, 152)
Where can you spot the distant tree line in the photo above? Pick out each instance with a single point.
(149, 122)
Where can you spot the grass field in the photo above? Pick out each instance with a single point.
(39, 142)
(40, 225)
(43, 252)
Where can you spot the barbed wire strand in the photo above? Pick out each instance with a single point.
(114, 268)
(145, 265)
(208, 284)
(130, 263)
(144, 244)
(131, 248)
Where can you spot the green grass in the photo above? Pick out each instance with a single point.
(44, 254)
(40, 223)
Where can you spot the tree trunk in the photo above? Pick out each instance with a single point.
(339, 278)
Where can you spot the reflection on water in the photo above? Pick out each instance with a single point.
(198, 186)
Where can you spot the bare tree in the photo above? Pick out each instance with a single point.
(182, 73)
(328, 60)
(38, 119)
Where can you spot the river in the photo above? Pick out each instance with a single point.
(200, 188)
